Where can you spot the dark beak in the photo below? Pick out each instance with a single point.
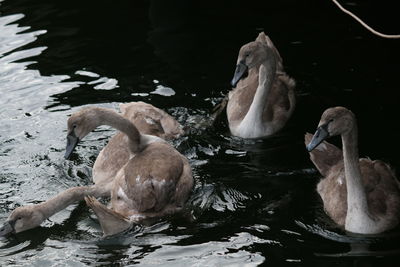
(320, 135)
(240, 71)
(72, 141)
(7, 228)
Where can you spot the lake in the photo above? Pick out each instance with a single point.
(254, 201)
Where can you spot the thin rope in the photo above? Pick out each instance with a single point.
(392, 36)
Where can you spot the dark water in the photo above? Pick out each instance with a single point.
(254, 201)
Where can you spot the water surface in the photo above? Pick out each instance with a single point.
(254, 201)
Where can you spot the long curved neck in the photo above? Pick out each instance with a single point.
(252, 125)
(70, 196)
(266, 74)
(358, 217)
(115, 120)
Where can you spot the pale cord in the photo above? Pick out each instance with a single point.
(393, 36)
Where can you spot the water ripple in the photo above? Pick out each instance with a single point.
(6, 249)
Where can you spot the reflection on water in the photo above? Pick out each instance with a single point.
(25, 93)
(254, 201)
(378, 245)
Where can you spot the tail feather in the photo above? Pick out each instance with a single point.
(324, 156)
(111, 222)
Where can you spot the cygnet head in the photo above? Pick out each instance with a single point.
(21, 219)
(334, 121)
(81, 124)
(252, 55)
